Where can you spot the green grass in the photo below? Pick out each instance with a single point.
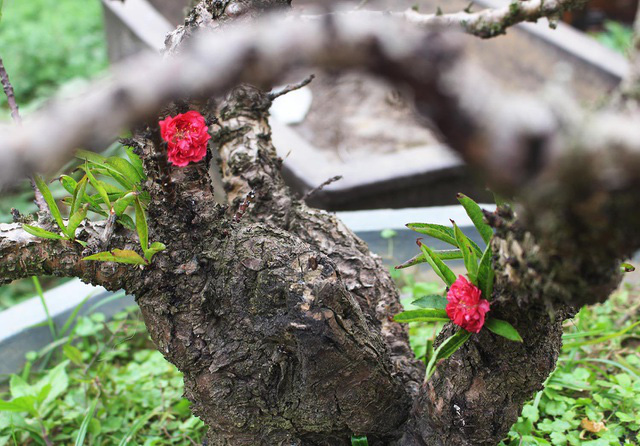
(616, 36)
(112, 368)
(597, 380)
(47, 43)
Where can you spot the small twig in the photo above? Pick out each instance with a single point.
(108, 228)
(320, 187)
(8, 90)
(244, 205)
(193, 443)
(15, 114)
(493, 22)
(291, 87)
(39, 199)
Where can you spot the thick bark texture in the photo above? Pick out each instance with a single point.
(279, 319)
(25, 255)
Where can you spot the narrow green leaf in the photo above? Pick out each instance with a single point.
(72, 353)
(443, 254)
(446, 349)
(76, 219)
(500, 200)
(112, 189)
(92, 207)
(570, 345)
(51, 202)
(135, 161)
(109, 171)
(442, 270)
(440, 232)
(486, 274)
(477, 217)
(428, 354)
(97, 186)
(78, 195)
(90, 156)
(468, 254)
(127, 222)
(85, 423)
(70, 186)
(123, 202)
(125, 168)
(431, 301)
(502, 328)
(97, 198)
(119, 256)
(155, 248)
(39, 232)
(72, 317)
(422, 315)
(359, 441)
(459, 339)
(141, 226)
(68, 183)
(135, 427)
(627, 268)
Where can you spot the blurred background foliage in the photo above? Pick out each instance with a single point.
(47, 43)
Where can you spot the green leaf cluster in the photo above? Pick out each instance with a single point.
(109, 187)
(479, 270)
(476, 261)
(597, 379)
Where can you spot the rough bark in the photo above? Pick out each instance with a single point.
(249, 162)
(273, 347)
(24, 255)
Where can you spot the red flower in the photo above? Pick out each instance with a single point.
(465, 307)
(186, 135)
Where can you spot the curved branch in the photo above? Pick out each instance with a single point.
(494, 22)
(259, 53)
(23, 255)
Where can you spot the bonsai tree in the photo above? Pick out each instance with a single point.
(279, 317)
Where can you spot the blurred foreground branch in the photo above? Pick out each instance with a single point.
(494, 22)
(260, 53)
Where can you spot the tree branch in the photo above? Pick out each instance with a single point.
(15, 114)
(8, 91)
(217, 62)
(494, 22)
(23, 255)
